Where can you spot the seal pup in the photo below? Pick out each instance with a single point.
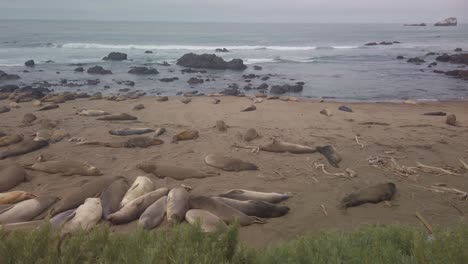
(10, 139)
(135, 208)
(255, 208)
(435, 114)
(250, 134)
(91, 112)
(57, 221)
(130, 131)
(174, 172)
(221, 126)
(77, 197)
(185, 135)
(66, 168)
(374, 194)
(15, 197)
(250, 108)
(43, 135)
(153, 216)
(227, 213)
(85, 217)
(330, 153)
(279, 146)
(134, 142)
(451, 120)
(26, 210)
(162, 99)
(326, 112)
(208, 222)
(138, 107)
(159, 132)
(228, 164)
(11, 176)
(112, 196)
(177, 204)
(243, 195)
(186, 100)
(49, 107)
(118, 117)
(141, 186)
(28, 118)
(23, 148)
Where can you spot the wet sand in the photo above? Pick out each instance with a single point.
(409, 136)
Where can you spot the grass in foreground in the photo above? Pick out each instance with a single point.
(187, 244)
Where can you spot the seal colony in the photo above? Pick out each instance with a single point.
(118, 177)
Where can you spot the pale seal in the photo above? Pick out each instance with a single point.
(135, 208)
(255, 208)
(174, 172)
(66, 168)
(227, 213)
(250, 108)
(91, 112)
(243, 195)
(130, 131)
(26, 210)
(15, 197)
(112, 195)
(11, 176)
(228, 164)
(330, 153)
(10, 139)
(23, 148)
(177, 204)
(373, 194)
(85, 217)
(208, 222)
(49, 107)
(118, 117)
(153, 216)
(141, 186)
(159, 132)
(279, 146)
(185, 135)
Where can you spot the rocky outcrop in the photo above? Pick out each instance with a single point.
(148, 52)
(30, 63)
(98, 70)
(458, 50)
(415, 25)
(210, 61)
(231, 92)
(79, 69)
(451, 21)
(415, 60)
(222, 50)
(400, 57)
(257, 68)
(164, 63)
(194, 80)
(282, 89)
(371, 44)
(192, 71)
(461, 58)
(116, 56)
(169, 79)
(384, 43)
(462, 74)
(143, 71)
(8, 77)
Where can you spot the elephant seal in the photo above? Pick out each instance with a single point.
(28, 118)
(43, 135)
(130, 131)
(57, 221)
(139, 107)
(243, 195)
(159, 132)
(75, 198)
(435, 114)
(250, 108)
(112, 195)
(255, 208)
(177, 204)
(174, 172)
(185, 135)
(208, 221)
(373, 194)
(279, 146)
(135, 208)
(330, 153)
(91, 112)
(119, 117)
(153, 216)
(48, 107)
(23, 148)
(66, 168)
(85, 217)
(11, 176)
(10, 139)
(227, 213)
(250, 134)
(228, 164)
(221, 126)
(134, 142)
(15, 197)
(26, 210)
(141, 186)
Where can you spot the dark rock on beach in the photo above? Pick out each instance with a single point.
(164, 63)
(415, 60)
(345, 109)
(8, 88)
(371, 44)
(8, 77)
(79, 69)
(282, 89)
(169, 79)
(462, 74)
(451, 21)
(192, 71)
(262, 86)
(400, 57)
(210, 61)
(222, 50)
(29, 63)
(443, 58)
(143, 71)
(257, 68)
(148, 52)
(194, 80)
(415, 25)
(458, 50)
(231, 92)
(386, 43)
(93, 82)
(116, 56)
(98, 70)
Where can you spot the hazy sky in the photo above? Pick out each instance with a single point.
(321, 11)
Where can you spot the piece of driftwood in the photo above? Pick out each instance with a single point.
(357, 142)
(464, 164)
(435, 169)
(463, 195)
(424, 221)
(324, 209)
(252, 148)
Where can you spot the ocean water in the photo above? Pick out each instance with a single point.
(331, 59)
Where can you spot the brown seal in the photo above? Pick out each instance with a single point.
(174, 172)
(134, 142)
(185, 135)
(119, 117)
(15, 197)
(66, 168)
(28, 118)
(373, 194)
(10, 139)
(23, 148)
(228, 164)
(11, 176)
(177, 204)
(221, 126)
(250, 108)
(330, 153)
(250, 134)
(279, 146)
(227, 213)
(255, 208)
(244, 195)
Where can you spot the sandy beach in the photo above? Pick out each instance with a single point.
(399, 130)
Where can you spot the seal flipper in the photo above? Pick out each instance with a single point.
(258, 220)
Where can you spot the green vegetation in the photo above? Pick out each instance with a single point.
(187, 244)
